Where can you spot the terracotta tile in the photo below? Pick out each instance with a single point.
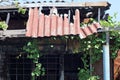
(35, 23)
(92, 28)
(77, 16)
(47, 25)
(60, 26)
(79, 30)
(41, 25)
(53, 25)
(97, 25)
(72, 29)
(87, 30)
(75, 25)
(29, 23)
(82, 33)
(66, 25)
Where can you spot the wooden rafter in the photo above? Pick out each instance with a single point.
(73, 4)
(13, 33)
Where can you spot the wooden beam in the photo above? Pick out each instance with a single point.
(8, 7)
(53, 4)
(102, 3)
(72, 4)
(13, 33)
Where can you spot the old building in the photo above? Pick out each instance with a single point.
(46, 21)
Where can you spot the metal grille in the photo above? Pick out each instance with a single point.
(20, 68)
(71, 64)
(51, 64)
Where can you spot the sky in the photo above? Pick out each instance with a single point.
(115, 7)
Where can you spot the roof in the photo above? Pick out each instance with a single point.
(40, 25)
(37, 3)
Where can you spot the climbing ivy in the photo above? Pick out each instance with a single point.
(114, 34)
(85, 73)
(92, 47)
(20, 9)
(3, 25)
(34, 54)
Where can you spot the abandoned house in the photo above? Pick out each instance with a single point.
(46, 21)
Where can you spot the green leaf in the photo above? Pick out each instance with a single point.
(33, 74)
(39, 65)
(3, 25)
(35, 61)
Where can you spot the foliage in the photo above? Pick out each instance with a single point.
(110, 22)
(21, 10)
(33, 53)
(114, 34)
(94, 78)
(85, 73)
(3, 25)
(92, 46)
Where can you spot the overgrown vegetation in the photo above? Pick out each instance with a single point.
(33, 53)
(92, 46)
(20, 9)
(3, 25)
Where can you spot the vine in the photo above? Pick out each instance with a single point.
(85, 73)
(20, 9)
(3, 25)
(114, 34)
(92, 46)
(34, 54)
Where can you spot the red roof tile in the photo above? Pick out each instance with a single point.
(47, 25)
(66, 25)
(53, 25)
(35, 23)
(60, 26)
(29, 23)
(40, 25)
